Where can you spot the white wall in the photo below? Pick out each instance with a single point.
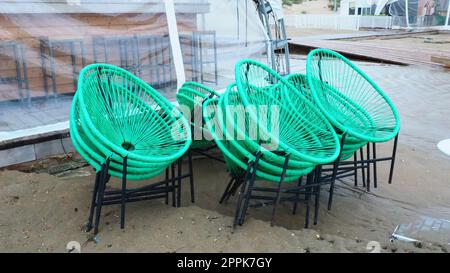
(337, 22)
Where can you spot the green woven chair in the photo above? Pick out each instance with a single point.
(305, 137)
(88, 150)
(200, 88)
(300, 81)
(304, 132)
(349, 98)
(247, 146)
(241, 169)
(353, 103)
(193, 99)
(125, 128)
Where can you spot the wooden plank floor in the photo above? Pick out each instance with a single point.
(375, 51)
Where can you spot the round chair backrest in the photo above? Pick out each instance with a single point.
(349, 98)
(127, 115)
(303, 131)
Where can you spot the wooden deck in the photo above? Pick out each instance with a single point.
(393, 54)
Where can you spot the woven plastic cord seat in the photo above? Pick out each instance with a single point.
(236, 149)
(136, 170)
(300, 81)
(244, 171)
(124, 128)
(349, 98)
(128, 118)
(247, 147)
(192, 95)
(356, 106)
(200, 88)
(304, 132)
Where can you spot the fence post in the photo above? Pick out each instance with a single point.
(447, 18)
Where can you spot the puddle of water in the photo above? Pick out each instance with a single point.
(425, 229)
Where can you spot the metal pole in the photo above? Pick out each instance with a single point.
(407, 13)
(237, 16)
(447, 18)
(335, 6)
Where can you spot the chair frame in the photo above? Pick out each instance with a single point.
(171, 184)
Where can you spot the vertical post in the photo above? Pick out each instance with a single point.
(368, 166)
(191, 177)
(407, 13)
(309, 179)
(394, 152)
(317, 193)
(278, 195)
(175, 42)
(375, 182)
(167, 186)
(124, 193)
(355, 165)
(93, 200)
(362, 167)
(173, 182)
(237, 20)
(179, 180)
(294, 210)
(447, 18)
(335, 170)
(241, 194)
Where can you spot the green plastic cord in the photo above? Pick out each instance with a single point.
(349, 98)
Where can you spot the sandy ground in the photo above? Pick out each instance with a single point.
(40, 212)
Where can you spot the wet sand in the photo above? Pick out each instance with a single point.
(42, 212)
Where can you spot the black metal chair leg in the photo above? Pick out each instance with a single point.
(179, 183)
(167, 186)
(355, 164)
(394, 153)
(173, 180)
(226, 193)
(234, 187)
(124, 194)
(241, 195)
(249, 190)
(317, 194)
(375, 179)
(362, 167)
(309, 179)
(368, 166)
(294, 210)
(335, 169)
(94, 198)
(101, 193)
(278, 196)
(191, 177)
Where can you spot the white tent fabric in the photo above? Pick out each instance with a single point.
(45, 43)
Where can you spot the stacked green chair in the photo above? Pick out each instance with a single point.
(355, 106)
(242, 123)
(192, 95)
(300, 81)
(124, 128)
